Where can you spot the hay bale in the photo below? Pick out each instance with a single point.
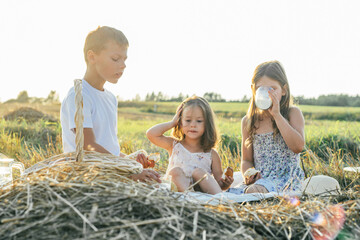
(43, 208)
(29, 114)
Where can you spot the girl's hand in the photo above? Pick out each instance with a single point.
(176, 118)
(252, 179)
(275, 108)
(141, 158)
(225, 183)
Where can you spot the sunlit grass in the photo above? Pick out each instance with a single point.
(330, 145)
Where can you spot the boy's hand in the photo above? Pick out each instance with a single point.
(225, 183)
(141, 158)
(252, 179)
(147, 175)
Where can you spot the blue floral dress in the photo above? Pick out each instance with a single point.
(279, 166)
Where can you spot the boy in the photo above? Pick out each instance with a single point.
(105, 52)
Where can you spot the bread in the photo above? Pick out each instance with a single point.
(152, 158)
(229, 172)
(250, 172)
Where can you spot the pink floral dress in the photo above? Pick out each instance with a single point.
(188, 161)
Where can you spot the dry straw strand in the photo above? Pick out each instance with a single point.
(79, 120)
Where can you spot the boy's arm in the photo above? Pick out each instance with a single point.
(90, 142)
(217, 171)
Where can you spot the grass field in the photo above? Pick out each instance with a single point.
(323, 137)
(330, 146)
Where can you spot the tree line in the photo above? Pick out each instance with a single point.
(160, 97)
(23, 97)
(341, 100)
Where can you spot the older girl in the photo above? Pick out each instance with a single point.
(272, 139)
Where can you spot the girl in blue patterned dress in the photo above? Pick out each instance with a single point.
(272, 139)
(191, 147)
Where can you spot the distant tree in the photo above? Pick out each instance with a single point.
(213, 97)
(137, 98)
(180, 98)
(150, 97)
(23, 97)
(245, 99)
(160, 97)
(53, 97)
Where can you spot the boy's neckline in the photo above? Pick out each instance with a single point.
(98, 87)
(95, 89)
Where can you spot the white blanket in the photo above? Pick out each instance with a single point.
(225, 197)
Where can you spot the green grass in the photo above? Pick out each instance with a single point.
(329, 143)
(238, 110)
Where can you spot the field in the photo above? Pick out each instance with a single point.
(324, 137)
(332, 137)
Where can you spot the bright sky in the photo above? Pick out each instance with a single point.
(188, 46)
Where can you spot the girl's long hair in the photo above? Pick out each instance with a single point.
(275, 71)
(209, 139)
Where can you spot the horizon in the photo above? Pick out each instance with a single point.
(185, 95)
(189, 47)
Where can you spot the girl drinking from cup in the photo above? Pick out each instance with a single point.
(272, 135)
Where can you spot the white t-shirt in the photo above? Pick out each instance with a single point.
(100, 114)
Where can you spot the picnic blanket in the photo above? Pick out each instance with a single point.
(226, 197)
(315, 185)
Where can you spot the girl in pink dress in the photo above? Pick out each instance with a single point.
(191, 147)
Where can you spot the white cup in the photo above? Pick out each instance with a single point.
(262, 98)
(6, 166)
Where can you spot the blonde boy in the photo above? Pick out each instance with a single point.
(105, 53)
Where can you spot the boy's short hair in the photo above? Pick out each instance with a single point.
(97, 39)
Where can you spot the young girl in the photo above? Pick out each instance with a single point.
(191, 146)
(272, 139)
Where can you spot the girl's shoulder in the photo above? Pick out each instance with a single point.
(214, 153)
(295, 111)
(244, 120)
(294, 108)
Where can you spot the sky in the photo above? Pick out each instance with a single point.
(183, 46)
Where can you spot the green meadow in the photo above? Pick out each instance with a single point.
(331, 143)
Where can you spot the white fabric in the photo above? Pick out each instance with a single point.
(321, 185)
(188, 161)
(226, 197)
(352, 169)
(100, 114)
(238, 180)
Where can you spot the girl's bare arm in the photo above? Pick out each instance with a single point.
(247, 160)
(292, 131)
(156, 133)
(217, 171)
